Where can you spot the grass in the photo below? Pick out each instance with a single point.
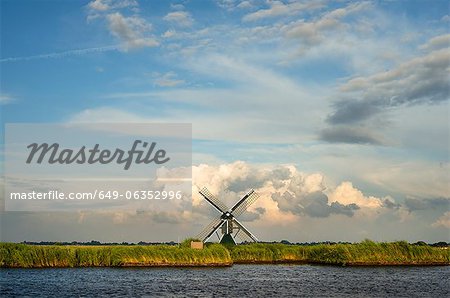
(30, 256)
(364, 253)
(268, 252)
(372, 253)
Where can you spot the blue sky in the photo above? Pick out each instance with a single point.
(352, 91)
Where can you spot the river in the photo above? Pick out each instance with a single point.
(235, 281)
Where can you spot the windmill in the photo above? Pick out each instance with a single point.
(227, 221)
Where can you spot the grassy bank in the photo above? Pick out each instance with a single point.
(269, 253)
(364, 253)
(37, 256)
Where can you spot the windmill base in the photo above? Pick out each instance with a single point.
(227, 239)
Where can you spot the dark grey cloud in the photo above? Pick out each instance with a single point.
(256, 178)
(260, 210)
(427, 204)
(420, 81)
(353, 111)
(279, 176)
(388, 203)
(205, 209)
(350, 134)
(246, 184)
(316, 205)
(287, 202)
(313, 204)
(338, 208)
(281, 173)
(248, 216)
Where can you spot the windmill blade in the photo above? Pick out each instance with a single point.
(244, 203)
(244, 229)
(243, 237)
(215, 202)
(210, 229)
(242, 200)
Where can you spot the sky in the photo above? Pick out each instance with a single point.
(335, 112)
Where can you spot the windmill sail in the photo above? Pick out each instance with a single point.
(210, 229)
(221, 207)
(249, 199)
(244, 230)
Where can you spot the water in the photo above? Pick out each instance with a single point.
(236, 281)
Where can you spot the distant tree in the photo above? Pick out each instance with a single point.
(420, 243)
(440, 244)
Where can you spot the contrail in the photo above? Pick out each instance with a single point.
(62, 54)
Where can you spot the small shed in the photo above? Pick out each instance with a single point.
(197, 244)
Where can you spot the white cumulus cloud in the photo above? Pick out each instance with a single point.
(132, 31)
(180, 18)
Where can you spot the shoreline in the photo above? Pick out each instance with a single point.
(366, 253)
(223, 265)
(356, 264)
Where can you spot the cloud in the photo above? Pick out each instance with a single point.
(104, 5)
(303, 199)
(352, 111)
(314, 204)
(177, 6)
(318, 201)
(99, 5)
(131, 31)
(443, 221)
(168, 79)
(180, 18)
(105, 115)
(338, 208)
(350, 135)
(347, 194)
(247, 98)
(284, 191)
(418, 179)
(389, 203)
(278, 8)
(427, 204)
(6, 99)
(249, 216)
(312, 33)
(166, 217)
(244, 5)
(169, 34)
(445, 18)
(231, 5)
(63, 54)
(436, 43)
(421, 80)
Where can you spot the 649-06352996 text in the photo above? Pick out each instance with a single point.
(99, 195)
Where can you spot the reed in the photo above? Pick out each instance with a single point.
(27, 256)
(373, 253)
(268, 252)
(364, 253)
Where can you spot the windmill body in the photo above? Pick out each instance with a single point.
(227, 223)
